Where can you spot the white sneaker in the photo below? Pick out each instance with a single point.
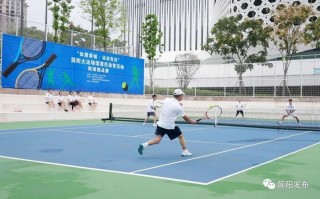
(186, 153)
(143, 124)
(154, 124)
(279, 123)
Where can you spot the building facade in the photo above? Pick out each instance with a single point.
(261, 9)
(185, 24)
(10, 13)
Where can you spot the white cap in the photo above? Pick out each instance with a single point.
(178, 92)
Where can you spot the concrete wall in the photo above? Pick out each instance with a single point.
(33, 108)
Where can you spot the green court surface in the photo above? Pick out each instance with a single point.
(30, 180)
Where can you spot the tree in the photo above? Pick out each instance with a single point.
(187, 66)
(65, 11)
(288, 32)
(55, 8)
(151, 38)
(107, 15)
(241, 42)
(61, 10)
(312, 33)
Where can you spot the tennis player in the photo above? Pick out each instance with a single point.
(239, 107)
(171, 109)
(151, 111)
(290, 112)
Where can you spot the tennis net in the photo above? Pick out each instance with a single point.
(256, 117)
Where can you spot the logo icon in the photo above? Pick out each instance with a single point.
(269, 184)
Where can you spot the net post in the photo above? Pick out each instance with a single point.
(215, 117)
(110, 112)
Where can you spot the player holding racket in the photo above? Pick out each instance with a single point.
(171, 109)
(151, 111)
(290, 112)
(239, 107)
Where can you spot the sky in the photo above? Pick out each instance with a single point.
(36, 14)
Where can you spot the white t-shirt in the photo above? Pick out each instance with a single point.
(171, 109)
(290, 110)
(60, 98)
(151, 105)
(48, 97)
(239, 106)
(70, 98)
(77, 97)
(91, 99)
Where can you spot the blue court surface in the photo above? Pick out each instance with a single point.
(217, 152)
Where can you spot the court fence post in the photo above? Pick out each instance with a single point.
(110, 111)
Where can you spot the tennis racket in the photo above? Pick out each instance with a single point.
(30, 49)
(212, 113)
(30, 78)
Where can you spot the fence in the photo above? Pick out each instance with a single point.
(302, 80)
(11, 25)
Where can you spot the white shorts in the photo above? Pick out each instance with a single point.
(291, 114)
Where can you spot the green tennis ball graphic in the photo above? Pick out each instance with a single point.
(125, 86)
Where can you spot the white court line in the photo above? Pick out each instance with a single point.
(103, 134)
(193, 129)
(42, 129)
(264, 163)
(103, 170)
(151, 176)
(117, 135)
(218, 153)
(144, 137)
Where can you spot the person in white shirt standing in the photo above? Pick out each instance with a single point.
(290, 112)
(151, 111)
(239, 107)
(49, 99)
(171, 109)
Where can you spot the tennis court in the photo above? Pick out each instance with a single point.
(97, 159)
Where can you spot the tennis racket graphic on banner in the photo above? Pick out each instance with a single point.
(30, 49)
(31, 78)
(212, 113)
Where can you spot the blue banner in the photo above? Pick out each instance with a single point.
(34, 64)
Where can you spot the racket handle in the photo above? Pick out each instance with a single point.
(198, 120)
(11, 68)
(50, 60)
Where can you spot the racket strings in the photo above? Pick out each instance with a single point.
(32, 48)
(213, 113)
(28, 79)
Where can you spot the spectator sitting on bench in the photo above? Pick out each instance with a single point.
(92, 102)
(61, 102)
(71, 100)
(78, 100)
(49, 99)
